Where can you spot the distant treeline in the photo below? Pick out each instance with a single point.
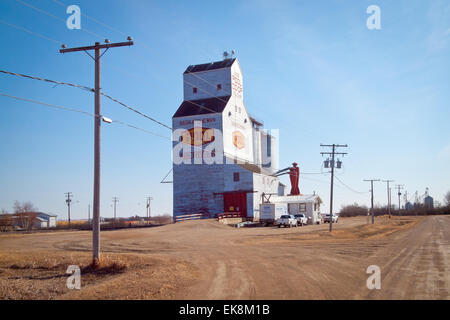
(119, 223)
(357, 210)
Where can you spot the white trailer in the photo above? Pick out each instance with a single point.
(306, 204)
(270, 212)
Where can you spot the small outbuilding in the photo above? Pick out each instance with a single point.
(45, 220)
(307, 204)
(33, 220)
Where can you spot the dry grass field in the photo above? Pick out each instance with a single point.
(208, 260)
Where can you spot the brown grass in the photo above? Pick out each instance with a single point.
(105, 265)
(382, 228)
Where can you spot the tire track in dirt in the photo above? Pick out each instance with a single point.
(414, 264)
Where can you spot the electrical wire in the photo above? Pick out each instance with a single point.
(351, 189)
(84, 29)
(143, 43)
(87, 89)
(47, 104)
(92, 19)
(135, 110)
(47, 80)
(57, 18)
(79, 111)
(30, 32)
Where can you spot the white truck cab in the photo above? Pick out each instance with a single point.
(287, 220)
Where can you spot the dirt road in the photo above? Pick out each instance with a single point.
(415, 264)
(207, 260)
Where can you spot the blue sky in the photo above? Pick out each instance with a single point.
(311, 69)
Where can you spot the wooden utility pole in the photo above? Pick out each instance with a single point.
(389, 196)
(399, 193)
(115, 200)
(97, 125)
(149, 199)
(371, 199)
(332, 163)
(68, 201)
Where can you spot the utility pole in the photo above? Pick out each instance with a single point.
(68, 201)
(89, 213)
(405, 198)
(115, 200)
(332, 163)
(97, 124)
(371, 190)
(389, 196)
(399, 193)
(149, 199)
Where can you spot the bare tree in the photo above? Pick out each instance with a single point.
(5, 221)
(26, 214)
(24, 207)
(447, 199)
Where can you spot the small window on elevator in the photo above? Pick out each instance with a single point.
(236, 177)
(219, 87)
(194, 90)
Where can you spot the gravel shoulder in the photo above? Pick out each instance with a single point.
(207, 260)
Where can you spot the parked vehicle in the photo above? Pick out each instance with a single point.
(328, 218)
(287, 221)
(302, 219)
(271, 212)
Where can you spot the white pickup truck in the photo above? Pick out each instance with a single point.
(333, 218)
(287, 221)
(302, 219)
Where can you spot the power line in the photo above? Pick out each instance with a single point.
(84, 29)
(90, 18)
(47, 104)
(135, 110)
(87, 89)
(143, 43)
(40, 10)
(80, 111)
(57, 18)
(30, 32)
(351, 189)
(116, 30)
(47, 80)
(140, 129)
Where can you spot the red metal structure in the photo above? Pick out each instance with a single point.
(294, 174)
